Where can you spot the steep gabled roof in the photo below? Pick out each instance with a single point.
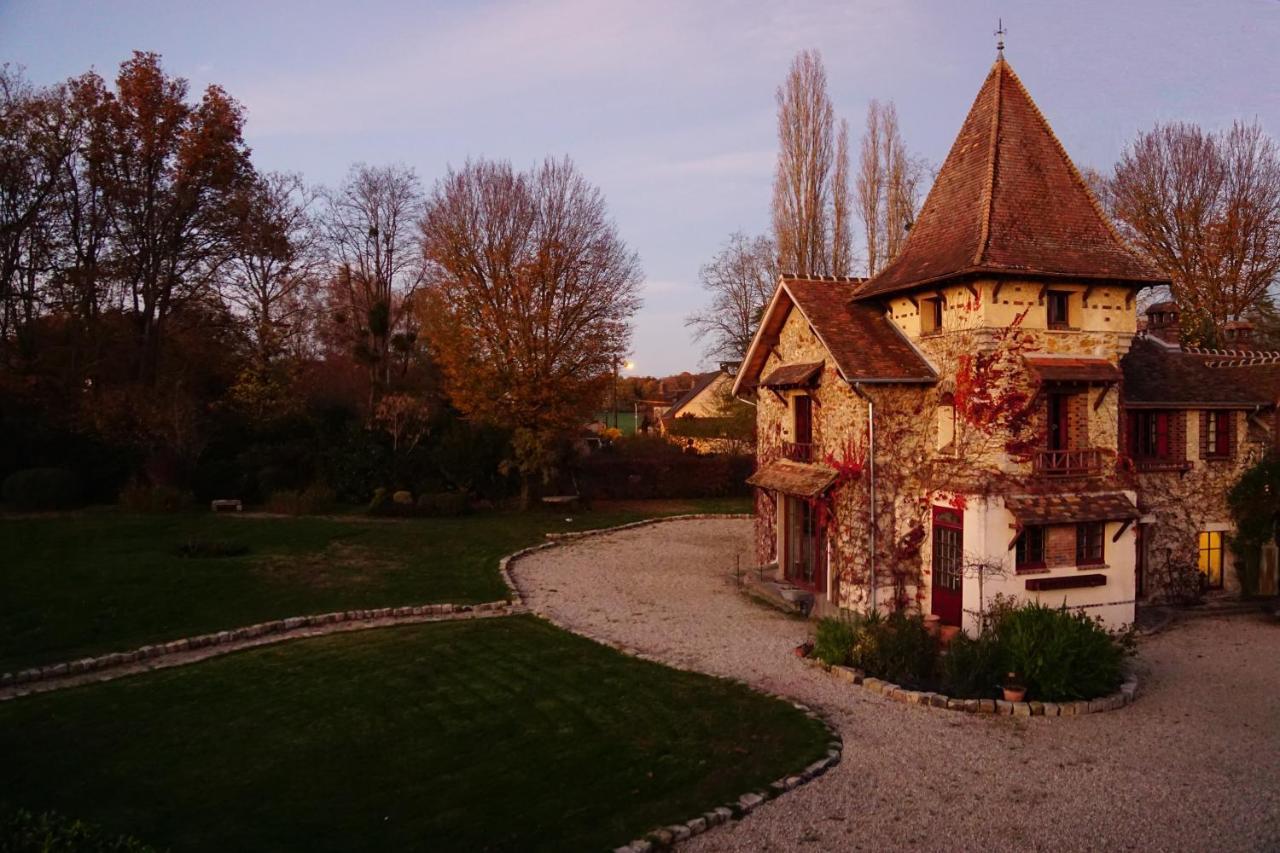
(1009, 200)
(864, 344)
(700, 384)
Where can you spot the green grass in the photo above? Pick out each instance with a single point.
(499, 734)
(90, 583)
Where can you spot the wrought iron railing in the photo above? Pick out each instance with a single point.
(1068, 463)
(798, 451)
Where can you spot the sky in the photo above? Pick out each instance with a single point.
(666, 105)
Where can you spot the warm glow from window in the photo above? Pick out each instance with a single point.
(1211, 556)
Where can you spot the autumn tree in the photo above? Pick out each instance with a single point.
(811, 223)
(889, 184)
(370, 227)
(1205, 208)
(531, 295)
(171, 170)
(739, 280)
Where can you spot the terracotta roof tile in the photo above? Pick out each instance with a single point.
(1009, 200)
(865, 344)
(793, 478)
(1067, 509)
(792, 375)
(1074, 369)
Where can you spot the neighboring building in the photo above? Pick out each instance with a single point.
(704, 418)
(963, 421)
(704, 400)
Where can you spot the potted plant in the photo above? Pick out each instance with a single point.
(932, 622)
(1014, 689)
(947, 633)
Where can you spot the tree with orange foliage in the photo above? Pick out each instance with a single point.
(530, 295)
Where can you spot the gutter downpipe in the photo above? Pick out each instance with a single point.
(871, 476)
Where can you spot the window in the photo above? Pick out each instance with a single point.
(1089, 542)
(1058, 307)
(1030, 549)
(1059, 406)
(946, 427)
(1149, 435)
(1211, 557)
(1215, 438)
(931, 315)
(800, 448)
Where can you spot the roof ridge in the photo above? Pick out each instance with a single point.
(1073, 171)
(993, 153)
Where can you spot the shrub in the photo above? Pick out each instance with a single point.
(211, 548)
(379, 502)
(906, 652)
(145, 498)
(1059, 654)
(41, 489)
(313, 500)
(834, 638)
(442, 504)
(22, 831)
(971, 669)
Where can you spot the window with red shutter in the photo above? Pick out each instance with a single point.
(1222, 430)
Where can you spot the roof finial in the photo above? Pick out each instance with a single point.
(1000, 33)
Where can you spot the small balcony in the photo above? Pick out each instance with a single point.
(1068, 463)
(799, 451)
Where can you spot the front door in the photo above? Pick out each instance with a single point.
(947, 599)
(805, 549)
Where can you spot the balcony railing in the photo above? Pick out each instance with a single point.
(1068, 463)
(798, 451)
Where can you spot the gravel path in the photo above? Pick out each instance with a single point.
(1193, 765)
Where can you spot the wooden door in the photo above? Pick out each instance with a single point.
(806, 558)
(947, 596)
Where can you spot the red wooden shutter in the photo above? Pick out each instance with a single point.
(1162, 435)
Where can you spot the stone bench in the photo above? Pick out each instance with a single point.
(227, 505)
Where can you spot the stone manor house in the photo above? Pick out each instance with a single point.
(988, 415)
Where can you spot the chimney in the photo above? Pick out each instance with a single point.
(1239, 334)
(1162, 322)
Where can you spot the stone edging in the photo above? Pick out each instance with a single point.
(1124, 696)
(666, 836)
(275, 630)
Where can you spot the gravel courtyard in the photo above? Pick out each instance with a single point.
(1193, 765)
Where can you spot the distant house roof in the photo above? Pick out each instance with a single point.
(1008, 200)
(793, 375)
(1157, 374)
(700, 384)
(1073, 369)
(1067, 509)
(793, 478)
(864, 344)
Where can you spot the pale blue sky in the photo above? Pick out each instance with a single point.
(666, 105)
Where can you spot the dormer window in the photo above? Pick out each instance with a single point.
(931, 315)
(1059, 307)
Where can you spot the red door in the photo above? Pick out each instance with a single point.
(806, 558)
(947, 598)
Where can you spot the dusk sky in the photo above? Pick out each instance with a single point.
(667, 106)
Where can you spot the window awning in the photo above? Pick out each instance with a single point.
(1073, 369)
(793, 478)
(793, 376)
(1071, 509)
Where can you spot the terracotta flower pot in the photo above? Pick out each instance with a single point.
(947, 633)
(1015, 694)
(932, 623)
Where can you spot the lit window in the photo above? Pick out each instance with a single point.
(1211, 557)
(1089, 542)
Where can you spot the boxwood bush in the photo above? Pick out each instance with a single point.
(1059, 654)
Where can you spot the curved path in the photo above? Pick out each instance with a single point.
(1194, 764)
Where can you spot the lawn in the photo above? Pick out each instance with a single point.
(107, 580)
(501, 734)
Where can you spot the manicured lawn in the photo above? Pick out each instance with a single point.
(499, 734)
(105, 580)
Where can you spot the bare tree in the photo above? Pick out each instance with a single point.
(889, 185)
(531, 295)
(805, 194)
(740, 280)
(274, 260)
(841, 212)
(1205, 208)
(370, 225)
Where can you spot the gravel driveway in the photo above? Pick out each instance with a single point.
(1193, 765)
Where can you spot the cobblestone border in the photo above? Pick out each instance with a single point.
(668, 836)
(1127, 693)
(273, 631)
